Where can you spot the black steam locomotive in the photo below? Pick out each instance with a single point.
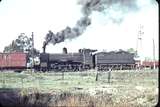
(86, 59)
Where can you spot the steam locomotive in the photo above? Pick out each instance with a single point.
(85, 59)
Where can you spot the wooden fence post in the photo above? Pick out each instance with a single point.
(97, 76)
(109, 75)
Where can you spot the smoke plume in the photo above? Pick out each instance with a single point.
(88, 6)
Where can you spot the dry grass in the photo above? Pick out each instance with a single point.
(126, 89)
(27, 98)
(65, 99)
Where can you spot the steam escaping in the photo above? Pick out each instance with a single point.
(88, 6)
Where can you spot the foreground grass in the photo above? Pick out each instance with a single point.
(54, 99)
(126, 88)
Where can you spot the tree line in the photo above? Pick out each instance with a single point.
(23, 43)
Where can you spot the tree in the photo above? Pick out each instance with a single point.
(22, 44)
(131, 50)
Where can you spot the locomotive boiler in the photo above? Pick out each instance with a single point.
(79, 61)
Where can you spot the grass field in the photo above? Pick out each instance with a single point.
(125, 88)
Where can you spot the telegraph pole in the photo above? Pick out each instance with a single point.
(32, 51)
(139, 44)
(154, 65)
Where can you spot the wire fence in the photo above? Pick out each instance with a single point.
(75, 79)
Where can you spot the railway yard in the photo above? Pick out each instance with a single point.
(127, 88)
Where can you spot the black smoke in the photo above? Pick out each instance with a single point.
(67, 33)
(88, 6)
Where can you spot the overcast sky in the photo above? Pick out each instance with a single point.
(40, 16)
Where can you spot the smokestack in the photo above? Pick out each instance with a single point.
(44, 47)
(65, 50)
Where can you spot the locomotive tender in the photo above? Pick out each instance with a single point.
(120, 60)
